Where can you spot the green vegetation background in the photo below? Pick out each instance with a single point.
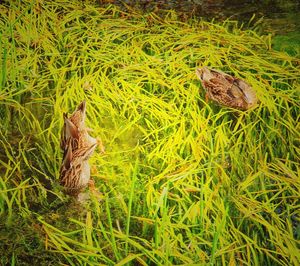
(183, 181)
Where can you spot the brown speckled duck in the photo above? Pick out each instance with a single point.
(75, 169)
(77, 146)
(73, 125)
(226, 90)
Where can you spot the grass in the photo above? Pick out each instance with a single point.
(183, 181)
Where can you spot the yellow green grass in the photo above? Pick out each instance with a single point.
(183, 181)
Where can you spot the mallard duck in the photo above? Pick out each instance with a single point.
(75, 169)
(77, 146)
(226, 90)
(74, 127)
(72, 124)
(79, 136)
(78, 117)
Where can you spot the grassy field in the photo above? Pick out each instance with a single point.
(183, 181)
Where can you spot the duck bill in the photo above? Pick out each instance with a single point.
(199, 73)
(205, 74)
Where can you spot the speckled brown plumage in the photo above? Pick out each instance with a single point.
(75, 169)
(77, 146)
(73, 124)
(227, 90)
